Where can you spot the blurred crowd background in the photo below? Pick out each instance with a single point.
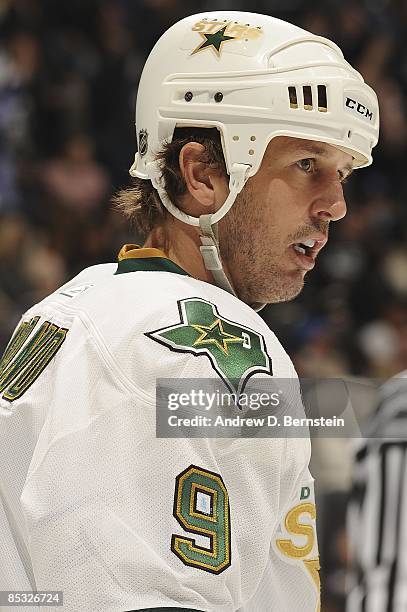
(68, 82)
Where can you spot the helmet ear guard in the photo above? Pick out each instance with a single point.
(253, 77)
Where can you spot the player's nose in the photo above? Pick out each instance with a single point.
(330, 204)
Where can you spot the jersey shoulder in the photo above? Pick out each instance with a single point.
(166, 325)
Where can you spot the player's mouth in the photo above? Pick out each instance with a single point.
(307, 251)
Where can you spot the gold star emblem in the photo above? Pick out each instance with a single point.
(213, 41)
(216, 335)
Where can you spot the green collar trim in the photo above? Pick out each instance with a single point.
(148, 264)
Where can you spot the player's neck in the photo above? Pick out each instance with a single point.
(180, 243)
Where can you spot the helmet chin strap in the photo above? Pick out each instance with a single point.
(211, 254)
(207, 223)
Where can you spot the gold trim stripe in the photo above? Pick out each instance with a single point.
(134, 251)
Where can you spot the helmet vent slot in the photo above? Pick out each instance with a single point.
(292, 93)
(307, 93)
(308, 97)
(322, 99)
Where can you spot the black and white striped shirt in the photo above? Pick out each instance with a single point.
(377, 516)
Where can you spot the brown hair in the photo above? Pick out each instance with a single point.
(141, 204)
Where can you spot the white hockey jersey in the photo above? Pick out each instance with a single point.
(92, 503)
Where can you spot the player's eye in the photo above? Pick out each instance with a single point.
(307, 165)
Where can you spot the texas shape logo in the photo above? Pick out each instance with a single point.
(236, 352)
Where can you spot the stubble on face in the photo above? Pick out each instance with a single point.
(256, 252)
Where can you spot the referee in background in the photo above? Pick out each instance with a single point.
(377, 515)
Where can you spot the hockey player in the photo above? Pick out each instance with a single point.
(246, 128)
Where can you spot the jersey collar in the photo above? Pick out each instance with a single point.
(133, 258)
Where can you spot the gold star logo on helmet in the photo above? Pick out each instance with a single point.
(214, 40)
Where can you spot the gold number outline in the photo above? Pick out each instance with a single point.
(190, 543)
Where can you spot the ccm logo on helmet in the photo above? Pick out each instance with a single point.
(360, 108)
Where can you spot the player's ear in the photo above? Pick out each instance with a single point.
(203, 182)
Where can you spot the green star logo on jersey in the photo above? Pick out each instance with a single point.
(214, 41)
(236, 352)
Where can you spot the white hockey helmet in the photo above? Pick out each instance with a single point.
(253, 77)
